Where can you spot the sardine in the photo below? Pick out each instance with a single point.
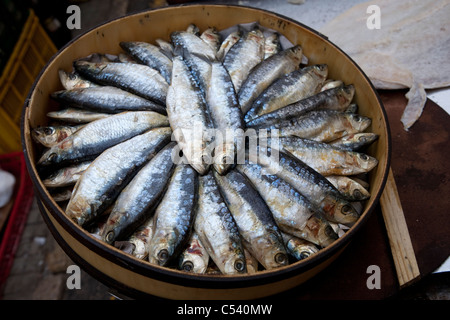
(189, 117)
(352, 108)
(320, 125)
(212, 37)
(138, 200)
(245, 54)
(66, 176)
(354, 141)
(140, 240)
(76, 115)
(251, 262)
(193, 44)
(50, 135)
(126, 58)
(174, 216)
(192, 28)
(194, 258)
(299, 248)
(61, 195)
(288, 89)
(258, 229)
(272, 45)
(97, 136)
(315, 187)
(326, 159)
(197, 55)
(73, 80)
(136, 78)
(150, 55)
(291, 210)
(106, 99)
(319, 230)
(266, 72)
(330, 84)
(99, 57)
(350, 188)
(334, 99)
(226, 115)
(227, 43)
(217, 228)
(110, 172)
(166, 47)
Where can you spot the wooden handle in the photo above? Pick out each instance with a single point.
(397, 230)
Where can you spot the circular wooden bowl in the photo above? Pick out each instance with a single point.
(138, 278)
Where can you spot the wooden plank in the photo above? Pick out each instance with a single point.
(398, 234)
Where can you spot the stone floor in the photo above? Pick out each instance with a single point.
(40, 265)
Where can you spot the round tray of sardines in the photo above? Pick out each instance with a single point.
(232, 153)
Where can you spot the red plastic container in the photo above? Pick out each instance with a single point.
(23, 198)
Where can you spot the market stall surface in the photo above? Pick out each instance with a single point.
(41, 269)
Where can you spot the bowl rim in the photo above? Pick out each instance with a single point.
(176, 276)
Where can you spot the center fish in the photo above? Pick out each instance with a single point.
(226, 114)
(189, 117)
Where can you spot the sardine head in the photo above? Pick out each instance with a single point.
(321, 70)
(346, 94)
(358, 122)
(345, 213)
(194, 264)
(270, 252)
(235, 264)
(162, 247)
(366, 162)
(51, 156)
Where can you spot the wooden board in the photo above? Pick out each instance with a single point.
(421, 169)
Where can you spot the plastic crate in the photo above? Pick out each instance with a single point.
(23, 198)
(31, 52)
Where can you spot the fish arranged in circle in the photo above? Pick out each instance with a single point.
(208, 152)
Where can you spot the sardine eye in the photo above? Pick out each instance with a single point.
(364, 157)
(163, 256)
(109, 237)
(52, 156)
(346, 209)
(49, 130)
(239, 265)
(362, 139)
(304, 254)
(187, 266)
(357, 194)
(280, 258)
(357, 118)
